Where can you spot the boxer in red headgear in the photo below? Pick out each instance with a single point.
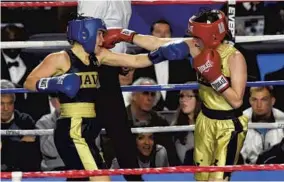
(211, 27)
(222, 74)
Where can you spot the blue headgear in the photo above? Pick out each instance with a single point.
(84, 31)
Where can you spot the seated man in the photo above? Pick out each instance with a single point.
(18, 152)
(262, 110)
(50, 157)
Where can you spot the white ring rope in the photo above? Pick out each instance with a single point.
(157, 129)
(53, 44)
(34, 44)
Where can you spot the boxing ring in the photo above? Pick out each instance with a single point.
(271, 172)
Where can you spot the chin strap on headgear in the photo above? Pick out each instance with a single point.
(84, 31)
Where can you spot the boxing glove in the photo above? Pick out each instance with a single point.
(208, 64)
(175, 50)
(68, 84)
(114, 36)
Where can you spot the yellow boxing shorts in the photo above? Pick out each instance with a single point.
(218, 140)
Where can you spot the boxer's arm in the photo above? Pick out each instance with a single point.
(124, 60)
(149, 42)
(175, 50)
(116, 35)
(53, 64)
(238, 69)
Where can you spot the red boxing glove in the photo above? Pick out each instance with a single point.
(114, 36)
(208, 64)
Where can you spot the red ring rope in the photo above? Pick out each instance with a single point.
(178, 169)
(74, 3)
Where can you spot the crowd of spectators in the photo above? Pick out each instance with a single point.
(145, 109)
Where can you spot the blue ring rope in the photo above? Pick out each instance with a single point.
(168, 87)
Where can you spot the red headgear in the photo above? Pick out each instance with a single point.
(211, 33)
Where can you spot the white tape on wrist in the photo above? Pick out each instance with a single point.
(127, 32)
(220, 83)
(43, 83)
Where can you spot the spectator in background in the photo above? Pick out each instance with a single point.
(166, 72)
(140, 113)
(15, 66)
(18, 153)
(114, 14)
(274, 22)
(258, 140)
(189, 107)
(141, 104)
(250, 8)
(124, 80)
(150, 155)
(13, 61)
(50, 157)
(247, 8)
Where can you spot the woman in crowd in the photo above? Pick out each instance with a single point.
(150, 154)
(189, 107)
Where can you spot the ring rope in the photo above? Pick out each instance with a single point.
(133, 2)
(168, 87)
(34, 44)
(139, 171)
(65, 44)
(156, 129)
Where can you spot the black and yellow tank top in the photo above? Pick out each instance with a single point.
(211, 98)
(89, 80)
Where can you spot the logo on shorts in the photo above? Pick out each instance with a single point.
(215, 163)
(205, 67)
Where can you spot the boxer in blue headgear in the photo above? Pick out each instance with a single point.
(84, 31)
(73, 74)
